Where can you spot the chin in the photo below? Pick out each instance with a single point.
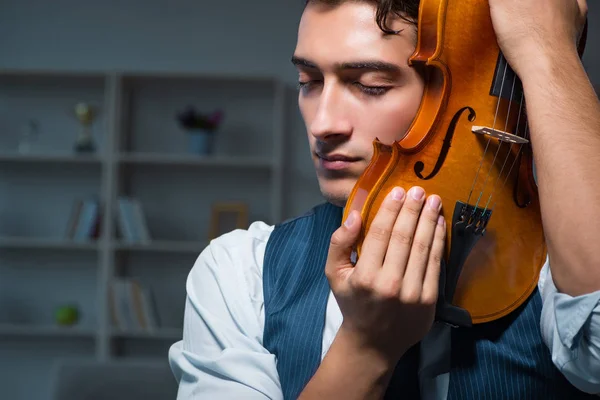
(336, 192)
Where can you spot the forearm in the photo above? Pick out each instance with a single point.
(349, 372)
(564, 119)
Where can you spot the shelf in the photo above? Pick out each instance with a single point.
(142, 153)
(159, 246)
(49, 158)
(47, 331)
(171, 76)
(50, 73)
(163, 246)
(159, 333)
(192, 160)
(45, 243)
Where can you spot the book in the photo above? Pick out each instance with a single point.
(132, 306)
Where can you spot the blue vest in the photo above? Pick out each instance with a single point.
(504, 359)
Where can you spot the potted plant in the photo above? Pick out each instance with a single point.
(201, 128)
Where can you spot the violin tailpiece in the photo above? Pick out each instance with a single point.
(468, 225)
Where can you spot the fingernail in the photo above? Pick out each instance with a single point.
(441, 220)
(417, 192)
(397, 193)
(349, 220)
(434, 202)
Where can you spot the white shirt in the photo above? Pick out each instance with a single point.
(222, 356)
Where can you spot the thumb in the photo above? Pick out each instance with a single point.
(341, 245)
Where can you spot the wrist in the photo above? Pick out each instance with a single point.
(374, 354)
(350, 370)
(544, 66)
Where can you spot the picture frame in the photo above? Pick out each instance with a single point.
(226, 217)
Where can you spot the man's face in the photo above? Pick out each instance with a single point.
(356, 86)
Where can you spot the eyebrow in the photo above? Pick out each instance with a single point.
(373, 65)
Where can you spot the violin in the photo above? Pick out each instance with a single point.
(469, 144)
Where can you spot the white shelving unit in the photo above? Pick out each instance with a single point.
(142, 153)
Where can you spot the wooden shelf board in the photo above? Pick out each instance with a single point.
(51, 73)
(191, 160)
(199, 76)
(136, 74)
(41, 330)
(66, 158)
(165, 246)
(158, 333)
(45, 243)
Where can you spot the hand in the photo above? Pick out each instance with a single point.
(532, 30)
(388, 298)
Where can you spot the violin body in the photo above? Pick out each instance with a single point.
(468, 144)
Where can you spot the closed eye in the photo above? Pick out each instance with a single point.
(306, 86)
(372, 90)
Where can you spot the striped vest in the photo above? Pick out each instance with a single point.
(504, 359)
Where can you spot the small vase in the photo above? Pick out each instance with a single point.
(84, 142)
(201, 142)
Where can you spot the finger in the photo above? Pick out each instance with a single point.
(431, 282)
(583, 7)
(377, 238)
(340, 250)
(403, 233)
(412, 282)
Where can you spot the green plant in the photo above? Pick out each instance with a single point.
(193, 119)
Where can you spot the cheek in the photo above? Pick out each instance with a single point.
(304, 107)
(389, 120)
(308, 110)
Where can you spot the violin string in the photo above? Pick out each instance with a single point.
(488, 141)
(515, 158)
(526, 121)
(500, 145)
(512, 90)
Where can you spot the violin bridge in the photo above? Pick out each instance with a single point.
(498, 134)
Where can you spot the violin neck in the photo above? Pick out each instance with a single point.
(506, 84)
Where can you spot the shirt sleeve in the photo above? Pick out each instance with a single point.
(571, 329)
(221, 354)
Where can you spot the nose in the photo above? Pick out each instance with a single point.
(331, 120)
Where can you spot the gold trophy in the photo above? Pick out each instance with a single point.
(86, 114)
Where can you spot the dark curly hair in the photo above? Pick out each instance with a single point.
(407, 10)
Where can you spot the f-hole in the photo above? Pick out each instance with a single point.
(420, 166)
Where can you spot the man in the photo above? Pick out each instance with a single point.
(287, 312)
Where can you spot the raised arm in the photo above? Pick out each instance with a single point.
(539, 39)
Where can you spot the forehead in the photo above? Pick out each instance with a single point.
(349, 31)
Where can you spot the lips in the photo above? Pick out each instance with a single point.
(336, 157)
(336, 161)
